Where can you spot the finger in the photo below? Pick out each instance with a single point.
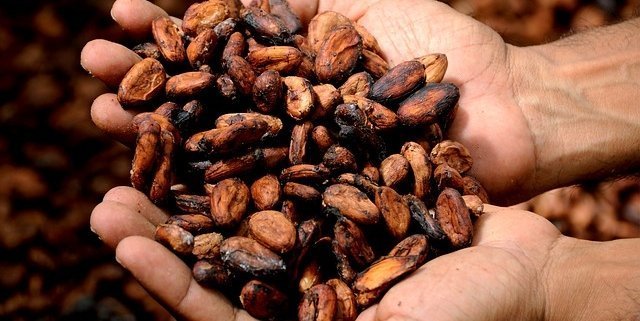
(135, 16)
(110, 117)
(107, 61)
(169, 280)
(353, 10)
(369, 314)
(498, 225)
(114, 221)
(138, 202)
(305, 9)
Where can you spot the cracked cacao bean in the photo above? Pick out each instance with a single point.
(447, 176)
(474, 204)
(343, 266)
(304, 173)
(274, 123)
(207, 246)
(358, 84)
(310, 276)
(228, 139)
(169, 38)
(362, 182)
(420, 166)
(175, 238)
(299, 97)
(381, 117)
(435, 66)
(142, 83)
(453, 154)
(148, 50)
(326, 98)
(321, 25)
(298, 144)
(206, 15)
(371, 172)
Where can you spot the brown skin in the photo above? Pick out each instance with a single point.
(519, 264)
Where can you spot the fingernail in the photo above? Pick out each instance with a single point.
(112, 15)
(96, 233)
(118, 260)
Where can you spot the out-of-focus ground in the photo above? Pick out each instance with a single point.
(55, 165)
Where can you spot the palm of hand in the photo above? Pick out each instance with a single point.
(497, 279)
(488, 122)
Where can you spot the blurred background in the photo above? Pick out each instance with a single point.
(55, 166)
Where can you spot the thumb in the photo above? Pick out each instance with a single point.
(369, 314)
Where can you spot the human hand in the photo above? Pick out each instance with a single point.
(126, 221)
(489, 121)
(505, 275)
(519, 267)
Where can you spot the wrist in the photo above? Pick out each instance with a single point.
(581, 101)
(593, 281)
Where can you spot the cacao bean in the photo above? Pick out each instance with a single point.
(261, 300)
(453, 216)
(318, 304)
(246, 255)
(273, 230)
(229, 202)
(142, 83)
(351, 203)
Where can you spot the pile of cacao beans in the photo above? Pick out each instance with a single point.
(305, 176)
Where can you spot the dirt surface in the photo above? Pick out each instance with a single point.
(55, 166)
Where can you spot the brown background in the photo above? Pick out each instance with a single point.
(55, 165)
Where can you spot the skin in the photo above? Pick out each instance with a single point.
(519, 266)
